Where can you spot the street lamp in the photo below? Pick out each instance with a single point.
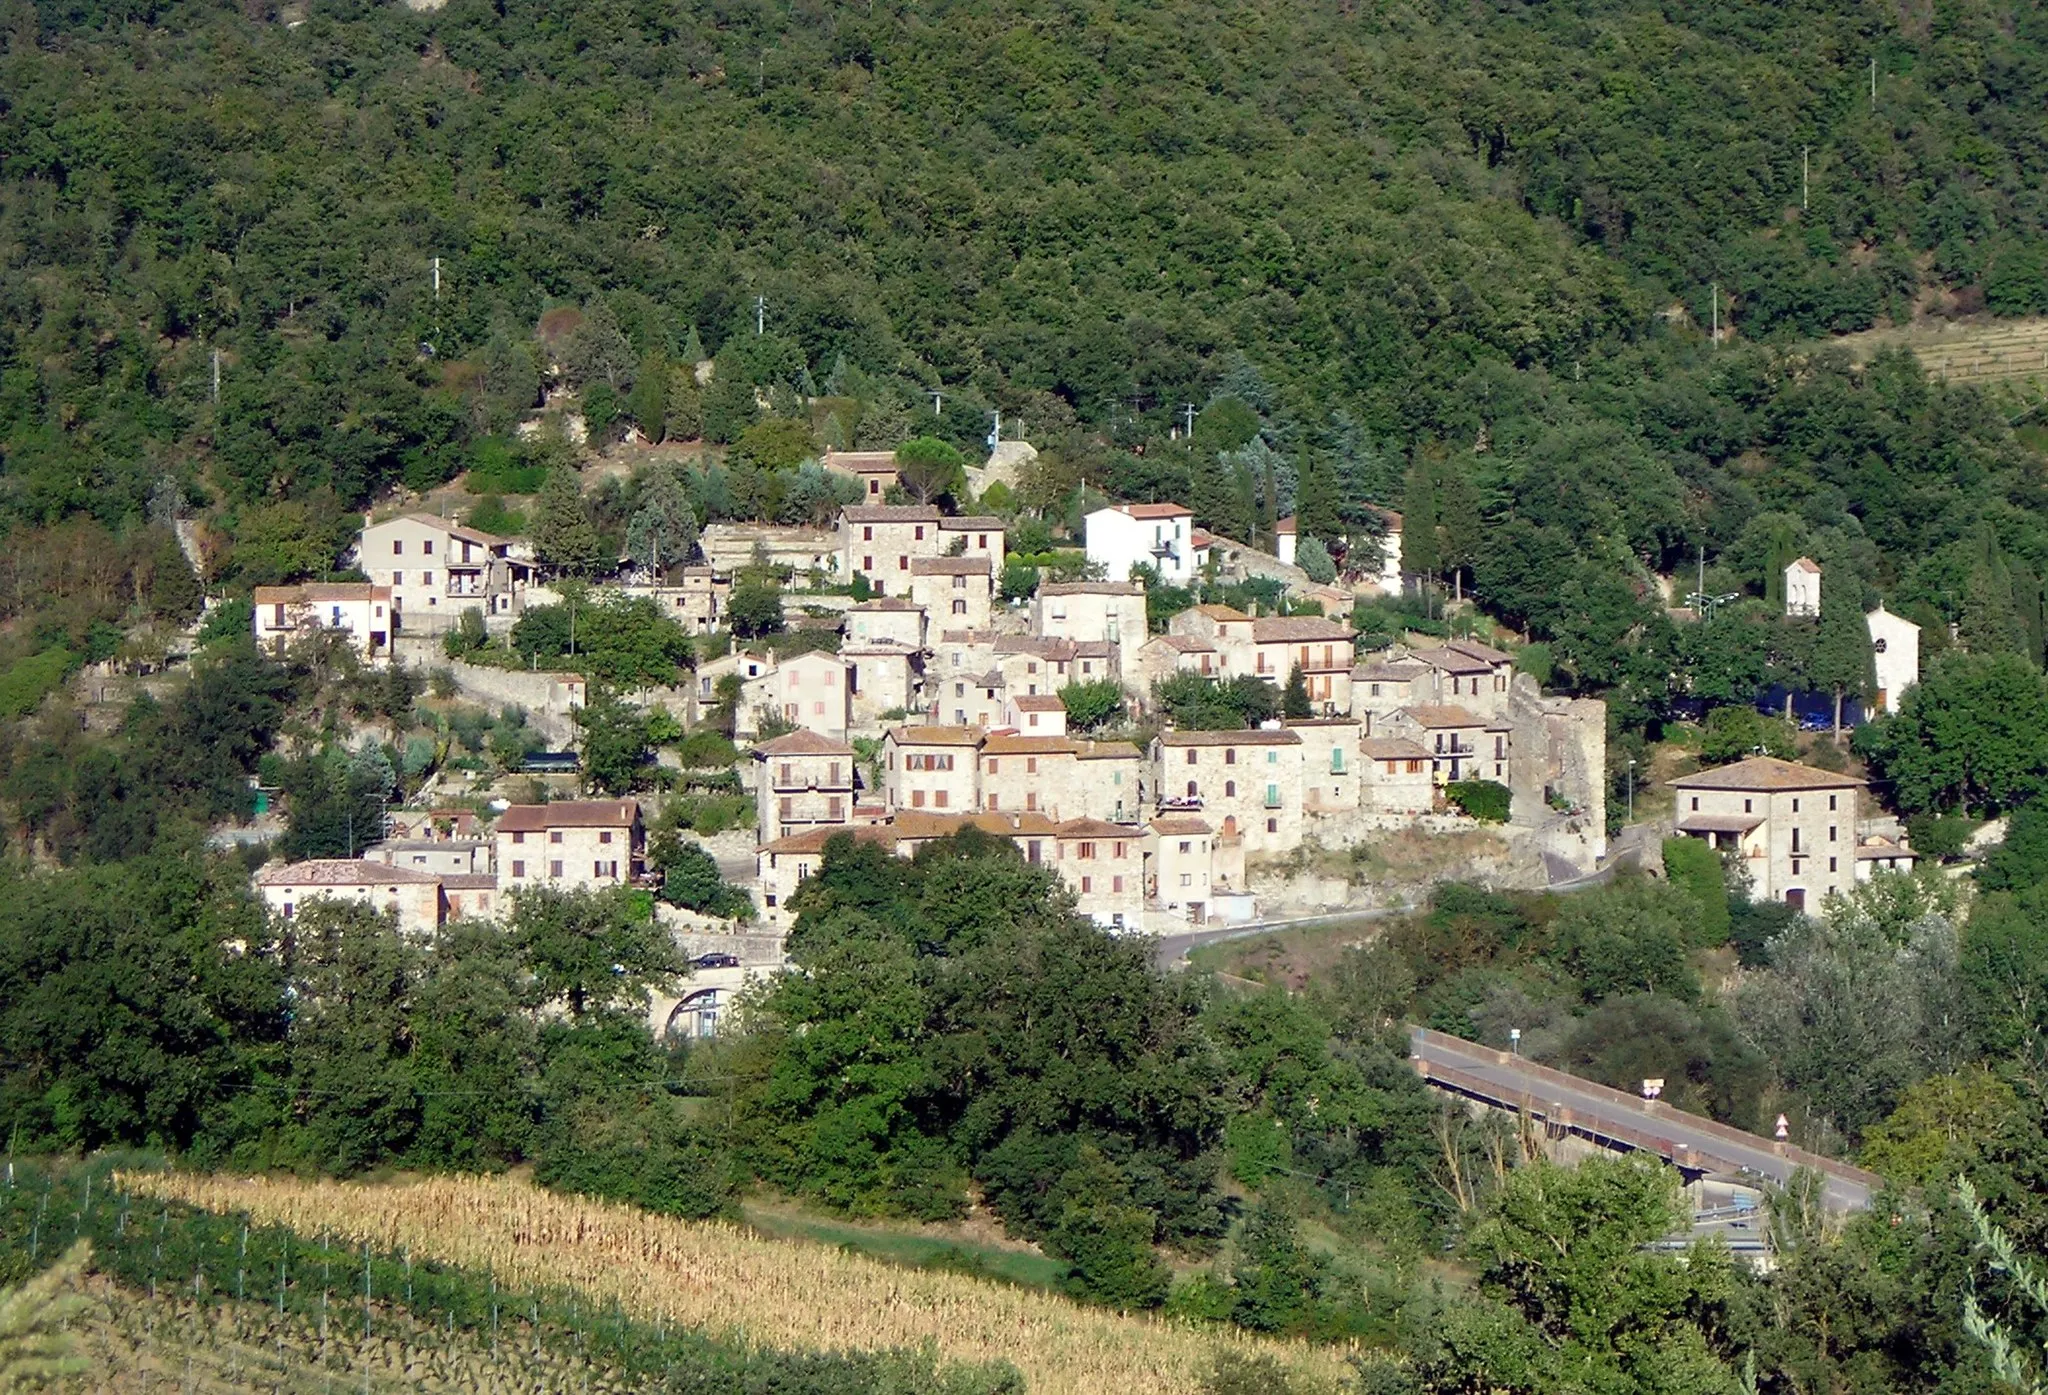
(1631, 789)
(1515, 1040)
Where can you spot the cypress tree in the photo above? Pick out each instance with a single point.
(1419, 554)
(1842, 660)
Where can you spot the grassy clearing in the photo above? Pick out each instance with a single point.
(732, 1283)
(1290, 957)
(914, 1247)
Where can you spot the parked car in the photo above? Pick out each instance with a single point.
(715, 961)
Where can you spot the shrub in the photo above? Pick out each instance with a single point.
(1481, 799)
(1692, 866)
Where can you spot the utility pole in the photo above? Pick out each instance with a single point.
(437, 280)
(995, 435)
(216, 377)
(1703, 585)
(1717, 314)
(1188, 410)
(760, 315)
(1803, 175)
(938, 403)
(1873, 84)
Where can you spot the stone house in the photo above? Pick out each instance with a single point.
(569, 844)
(882, 678)
(1162, 656)
(696, 600)
(360, 610)
(781, 866)
(1021, 773)
(1395, 776)
(1791, 827)
(976, 536)
(1319, 647)
(412, 896)
(1228, 629)
(874, 469)
(805, 780)
(441, 857)
(1330, 764)
(879, 541)
(1031, 665)
(1103, 864)
(435, 569)
(1181, 863)
(933, 767)
(889, 618)
(1113, 778)
(728, 547)
(1386, 683)
(955, 592)
(1247, 783)
(1461, 744)
(1109, 611)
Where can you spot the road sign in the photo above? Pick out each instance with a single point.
(1783, 1131)
(1653, 1087)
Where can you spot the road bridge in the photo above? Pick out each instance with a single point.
(1614, 1119)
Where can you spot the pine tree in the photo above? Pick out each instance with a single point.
(1843, 663)
(647, 404)
(1458, 516)
(1315, 513)
(1294, 697)
(693, 348)
(663, 530)
(564, 537)
(1419, 554)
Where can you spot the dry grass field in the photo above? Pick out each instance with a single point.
(734, 1284)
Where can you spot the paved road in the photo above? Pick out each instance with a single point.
(1597, 1111)
(1173, 949)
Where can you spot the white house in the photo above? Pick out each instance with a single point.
(1802, 587)
(1895, 648)
(356, 608)
(1286, 533)
(1155, 535)
(411, 895)
(1388, 572)
(436, 569)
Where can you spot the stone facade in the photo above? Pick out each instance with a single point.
(571, 844)
(1791, 827)
(805, 780)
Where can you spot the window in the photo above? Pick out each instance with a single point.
(605, 837)
(1272, 825)
(519, 837)
(1191, 790)
(920, 532)
(1031, 765)
(1695, 804)
(1183, 848)
(939, 799)
(1795, 806)
(554, 835)
(1745, 807)
(995, 802)
(518, 869)
(981, 540)
(1375, 690)
(1272, 757)
(995, 765)
(787, 806)
(1336, 760)
(1085, 851)
(554, 869)
(1831, 833)
(1272, 798)
(917, 799)
(398, 547)
(902, 564)
(426, 578)
(1031, 800)
(1087, 885)
(1116, 884)
(398, 578)
(867, 534)
(1230, 756)
(1191, 755)
(1831, 804)
(1795, 841)
(1832, 864)
(1187, 879)
(1230, 789)
(867, 564)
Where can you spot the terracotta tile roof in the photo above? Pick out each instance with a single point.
(1221, 612)
(974, 523)
(813, 840)
(468, 881)
(1184, 644)
(950, 566)
(1007, 743)
(1153, 510)
(1095, 828)
(1388, 671)
(1038, 702)
(860, 462)
(890, 513)
(881, 603)
(1060, 649)
(342, 871)
(920, 823)
(1477, 650)
(1110, 750)
(1289, 524)
(936, 736)
(1391, 748)
(1298, 629)
(1180, 826)
(1442, 715)
(1806, 564)
(1767, 774)
(1322, 721)
(569, 813)
(1264, 736)
(1091, 588)
(1876, 846)
(803, 742)
(1719, 823)
(1093, 649)
(320, 591)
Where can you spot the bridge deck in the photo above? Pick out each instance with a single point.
(1615, 1119)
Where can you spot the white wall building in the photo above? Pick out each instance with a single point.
(1895, 649)
(1802, 587)
(436, 569)
(1154, 535)
(359, 609)
(411, 895)
(573, 843)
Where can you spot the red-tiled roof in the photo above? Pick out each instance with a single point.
(1264, 736)
(1299, 629)
(1767, 774)
(1442, 715)
(341, 871)
(936, 736)
(1153, 510)
(803, 742)
(570, 813)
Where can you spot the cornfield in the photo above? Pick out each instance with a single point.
(737, 1286)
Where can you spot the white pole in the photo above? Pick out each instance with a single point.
(1717, 314)
(1804, 169)
(760, 315)
(1873, 84)
(216, 377)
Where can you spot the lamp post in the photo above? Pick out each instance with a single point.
(1631, 789)
(1515, 1040)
